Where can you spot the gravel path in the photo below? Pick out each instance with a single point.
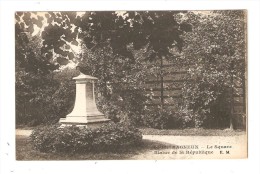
(21, 132)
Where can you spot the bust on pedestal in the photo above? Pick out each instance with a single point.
(85, 112)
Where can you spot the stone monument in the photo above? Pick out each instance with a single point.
(85, 112)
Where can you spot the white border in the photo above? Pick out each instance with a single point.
(7, 108)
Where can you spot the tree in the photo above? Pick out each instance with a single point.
(64, 30)
(61, 30)
(27, 47)
(59, 33)
(39, 93)
(109, 41)
(216, 51)
(115, 37)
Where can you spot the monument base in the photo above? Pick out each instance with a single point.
(85, 112)
(84, 121)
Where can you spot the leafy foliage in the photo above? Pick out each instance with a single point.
(44, 99)
(162, 118)
(215, 51)
(158, 29)
(34, 100)
(34, 73)
(110, 53)
(28, 47)
(120, 83)
(62, 33)
(64, 95)
(115, 48)
(109, 137)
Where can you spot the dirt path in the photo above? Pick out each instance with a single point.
(21, 132)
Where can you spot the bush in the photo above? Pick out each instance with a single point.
(42, 99)
(206, 105)
(34, 98)
(161, 118)
(64, 97)
(109, 137)
(123, 105)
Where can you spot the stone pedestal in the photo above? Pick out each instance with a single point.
(85, 112)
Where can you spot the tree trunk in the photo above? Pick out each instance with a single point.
(244, 79)
(231, 125)
(161, 82)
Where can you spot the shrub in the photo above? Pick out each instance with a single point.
(123, 105)
(34, 98)
(42, 99)
(207, 105)
(64, 97)
(161, 118)
(108, 137)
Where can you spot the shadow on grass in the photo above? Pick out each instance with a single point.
(26, 152)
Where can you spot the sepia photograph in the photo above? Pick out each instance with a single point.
(131, 85)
